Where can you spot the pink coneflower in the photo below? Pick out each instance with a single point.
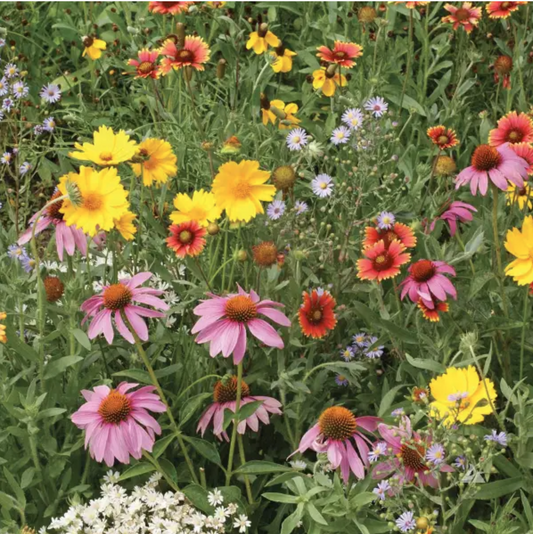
(146, 65)
(117, 423)
(497, 163)
(333, 434)
(195, 53)
(68, 238)
(426, 281)
(525, 151)
(118, 299)
(465, 16)
(456, 211)
(513, 128)
(408, 456)
(225, 396)
(223, 322)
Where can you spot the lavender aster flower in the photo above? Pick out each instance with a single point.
(398, 412)
(385, 220)
(19, 90)
(7, 104)
(353, 118)
(2, 43)
(382, 489)
(341, 380)
(460, 462)
(49, 124)
(11, 70)
(406, 522)
(348, 354)
(4, 87)
(276, 209)
(360, 340)
(436, 454)
(322, 186)
(301, 207)
(340, 135)
(24, 168)
(38, 130)
(379, 449)
(6, 158)
(16, 251)
(297, 139)
(499, 438)
(458, 397)
(27, 263)
(50, 93)
(376, 352)
(377, 106)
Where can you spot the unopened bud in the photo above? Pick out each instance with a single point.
(221, 68)
(331, 70)
(213, 228)
(180, 34)
(242, 255)
(263, 29)
(187, 73)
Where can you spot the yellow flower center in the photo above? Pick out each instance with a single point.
(146, 67)
(93, 201)
(317, 315)
(115, 408)
(117, 297)
(241, 309)
(242, 189)
(106, 156)
(323, 185)
(442, 139)
(185, 236)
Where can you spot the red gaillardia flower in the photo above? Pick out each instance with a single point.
(195, 53)
(316, 315)
(443, 137)
(433, 314)
(525, 151)
(382, 262)
(145, 66)
(465, 16)
(169, 8)
(502, 10)
(186, 239)
(343, 53)
(503, 65)
(513, 128)
(399, 232)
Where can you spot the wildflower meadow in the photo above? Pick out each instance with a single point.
(266, 267)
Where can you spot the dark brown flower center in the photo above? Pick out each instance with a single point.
(337, 423)
(117, 297)
(146, 67)
(241, 309)
(412, 455)
(53, 288)
(515, 136)
(184, 56)
(423, 270)
(265, 254)
(115, 408)
(462, 14)
(503, 65)
(485, 158)
(185, 237)
(53, 209)
(340, 55)
(227, 391)
(382, 262)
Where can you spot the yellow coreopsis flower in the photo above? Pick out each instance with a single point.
(100, 199)
(124, 224)
(3, 337)
(520, 244)
(109, 148)
(261, 39)
(461, 397)
(282, 59)
(326, 82)
(520, 196)
(239, 188)
(159, 162)
(283, 112)
(200, 208)
(93, 47)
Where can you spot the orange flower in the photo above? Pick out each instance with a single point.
(166, 8)
(186, 239)
(195, 53)
(503, 67)
(524, 150)
(382, 262)
(342, 54)
(433, 314)
(145, 66)
(465, 16)
(442, 137)
(412, 5)
(316, 315)
(399, 232)
(513, 128)
(502, 10)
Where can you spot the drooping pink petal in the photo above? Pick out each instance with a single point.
(265, 333)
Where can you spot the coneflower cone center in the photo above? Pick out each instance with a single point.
(227, 392)
(241, 309)
(486, 158)
(92, 201)
(412, 455)
(382, 262)
(146, 67)
(115, 408)
(337, 423)
(265, 254)
(462, 14)
(53, 209)
(117, 297)
(423, 270)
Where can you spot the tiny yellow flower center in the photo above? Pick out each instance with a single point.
(115, 408)
(106, 156)
(442, 139)
(323, 185)
(317, 315)
(242, 189)
(185, 236)
(146, 67)
(93, 201)
(515, 136)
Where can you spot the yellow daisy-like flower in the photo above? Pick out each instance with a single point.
(328, 83)
(282, 59)
(101, 199)
(261, 39)
(239, 189)
(520, 196)
(108, 149)
(3, 337)
(461, 397)
(520, 244)
(93, 47)
(124, 224)
(285, 113)
(200, 208)
(159, 162)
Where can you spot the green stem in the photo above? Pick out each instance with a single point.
(243, 461)
(498, 248)
(156, 464)
(524, 329)
(409, 55)
(235, 425)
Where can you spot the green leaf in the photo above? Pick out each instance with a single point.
(205, 448)
(191, 405)
(259, 467)
(428, 365)
(248, 409)
(281, 497)
(315, 514)
(198, 496)
(161, 445)
(387, 400)
(291, 522)
(362, 499)
(19, 493)
(19, 347)
(137, 470)
(82, 338)
(56, 367)
(51, 412)
(135, 374)
(494, 490)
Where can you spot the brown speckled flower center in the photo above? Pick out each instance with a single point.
(412, 455)
(117, 297)
(337, 423)
(227, 392)
(382, 262)
(423, 270)
(146, 67)
(53, 209)
(241, 309)
(485, 158)
(115, 408)
(462, 14)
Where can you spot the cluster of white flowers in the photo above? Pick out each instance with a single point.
(146, 510)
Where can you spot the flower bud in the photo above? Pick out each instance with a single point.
(213, 228)
(180, 34)
(221, 68)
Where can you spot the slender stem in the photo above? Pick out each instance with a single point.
(197, 261)
(524, 329)
(498, 247)
(409, 54)
(162, 395)
(246, 479)
(157, 465)
(235, 425)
